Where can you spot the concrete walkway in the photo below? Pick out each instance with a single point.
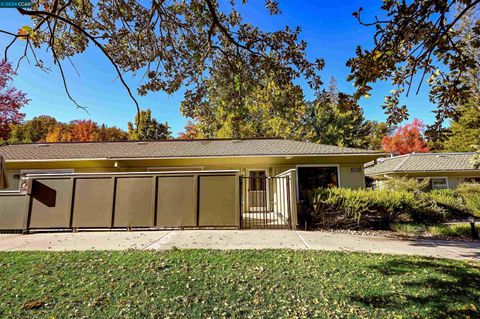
(242, 239)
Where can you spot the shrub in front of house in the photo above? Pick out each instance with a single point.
(470, 193)
(365, 208)
(406, 184)
(451, 201)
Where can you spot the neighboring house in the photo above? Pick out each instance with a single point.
(77, 179)
(445, 170)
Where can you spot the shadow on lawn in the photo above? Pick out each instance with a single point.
(453, 291)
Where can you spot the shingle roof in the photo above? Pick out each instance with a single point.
(421, 162)
(171, 149)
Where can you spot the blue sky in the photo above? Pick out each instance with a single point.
(328, 27)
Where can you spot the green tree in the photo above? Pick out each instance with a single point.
(465, 125)
(335, 118)
(465, 131)
(147, 127)
(376, 132)
(475, 160)
(34, 130)
(105, 133)
(248, 102)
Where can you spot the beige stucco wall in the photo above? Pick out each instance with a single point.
(352, 176)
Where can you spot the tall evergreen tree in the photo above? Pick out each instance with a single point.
(465, 126)
(465, 131)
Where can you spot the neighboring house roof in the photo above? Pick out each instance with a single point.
(172, 149)
(421, 162)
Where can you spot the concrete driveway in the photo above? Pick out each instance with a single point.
(241, 239)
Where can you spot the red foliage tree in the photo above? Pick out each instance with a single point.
(406, 139)
(11, 101)
(83, 131)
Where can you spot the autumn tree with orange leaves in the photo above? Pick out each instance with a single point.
(192, 132)
(406, 139)
(84, 131)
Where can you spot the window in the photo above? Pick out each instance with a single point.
(439, 183)
(435, 182)
(258, 181)
(313, 177)
(472, 180)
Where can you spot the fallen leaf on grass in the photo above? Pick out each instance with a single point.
(35, 304)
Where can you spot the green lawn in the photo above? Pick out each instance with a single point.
(235, 284)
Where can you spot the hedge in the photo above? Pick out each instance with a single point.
(353, 208)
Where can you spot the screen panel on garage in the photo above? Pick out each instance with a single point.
(217, 201)
(176, 201)
(134, 202)
(93, 202)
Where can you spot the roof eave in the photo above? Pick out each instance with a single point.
(192, 157)
(423, 171)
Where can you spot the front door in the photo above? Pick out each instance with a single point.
(257, 190)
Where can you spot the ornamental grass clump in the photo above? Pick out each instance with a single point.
(365, 208)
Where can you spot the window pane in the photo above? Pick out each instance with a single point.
(439, 183)
(258, 180)
(472, 180)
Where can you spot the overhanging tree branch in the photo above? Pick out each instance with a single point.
(91, 38)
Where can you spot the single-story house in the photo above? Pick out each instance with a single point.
(261, 167)
(318, 165)
(445, 170)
